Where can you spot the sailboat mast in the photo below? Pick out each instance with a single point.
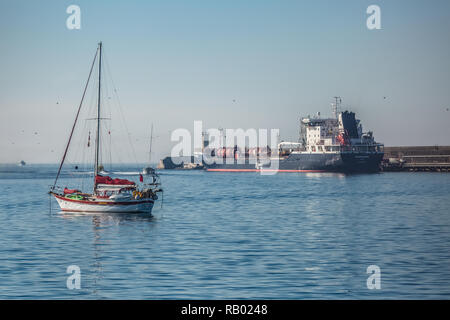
(97, 140)
(150, 151)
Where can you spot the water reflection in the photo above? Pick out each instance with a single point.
(101, 246)
(109, 218)
(97, 265)
(324, 174)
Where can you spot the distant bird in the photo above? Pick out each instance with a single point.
(35, 133)
(57, 102)
(447, 109)
(384, 98)
(234, 100)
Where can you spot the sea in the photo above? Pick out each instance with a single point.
(231, 236)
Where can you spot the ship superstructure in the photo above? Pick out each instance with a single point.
(343, 133)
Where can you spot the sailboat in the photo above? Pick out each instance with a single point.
(108, 194)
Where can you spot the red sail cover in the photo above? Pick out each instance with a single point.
(108, 180)
(70, 191)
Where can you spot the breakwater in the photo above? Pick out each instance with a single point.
(417, 158)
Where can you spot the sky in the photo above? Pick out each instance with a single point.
(232, 64)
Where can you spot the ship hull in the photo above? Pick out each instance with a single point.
(308, 162)
(134, 206)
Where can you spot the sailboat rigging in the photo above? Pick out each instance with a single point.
(108, 195)
(149, 170)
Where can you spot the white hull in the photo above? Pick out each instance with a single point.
(105, 206)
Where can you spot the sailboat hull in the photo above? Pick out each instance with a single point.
(133, 206)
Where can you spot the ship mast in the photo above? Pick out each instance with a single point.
(334, 106)
(151, 141)
(97, 139)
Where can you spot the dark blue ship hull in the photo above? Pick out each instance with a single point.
(307, 162)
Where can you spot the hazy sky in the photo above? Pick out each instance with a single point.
(232, 64)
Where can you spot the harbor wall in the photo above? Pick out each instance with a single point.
(417, 158)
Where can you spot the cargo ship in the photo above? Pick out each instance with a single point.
(336, 144)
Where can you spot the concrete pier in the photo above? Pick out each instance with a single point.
(417, 158)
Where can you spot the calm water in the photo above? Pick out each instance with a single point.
(233, 235)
